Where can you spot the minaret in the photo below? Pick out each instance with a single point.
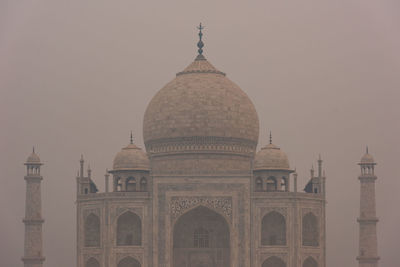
(33, 248)
(368, 251)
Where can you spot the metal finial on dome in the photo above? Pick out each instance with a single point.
(33, 149)
(367, 150)
(270, 137)
(131, 138)
(200, 43)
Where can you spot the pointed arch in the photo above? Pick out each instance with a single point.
(92, 262)
(259, 184)
(310, 230)
(130, 184)
(92, 231)
(128, 262)
(273, 229)
(274, 262)
(272, 184)
(143, 184)
(310, 262)
(129, 229)
(201, 237)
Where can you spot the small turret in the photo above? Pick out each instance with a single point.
(316, 184)
(85, 185)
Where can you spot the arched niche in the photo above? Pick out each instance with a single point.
(310, 230)
(128, 262)
(274, 262)
(129, 229)
(258, 184)
(201, 238)
(273, 229)
(92, 231)
(92, 262)
(310, 262)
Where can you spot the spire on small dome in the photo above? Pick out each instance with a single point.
(131, 138)
(270, 137)
(367, 150)
(200, 43)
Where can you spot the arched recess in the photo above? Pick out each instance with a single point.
(92, 231)
(117, 184)
(131, 184)
(310, 231)
(201, 238)
(143, 184)
(92, 262)
(128, 262)
(129, 230)
(274, 262)
(272, 184)
(273, 229)
(310, 262)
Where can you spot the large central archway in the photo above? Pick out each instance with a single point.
(201, 239)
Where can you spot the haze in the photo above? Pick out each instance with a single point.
(76, 77)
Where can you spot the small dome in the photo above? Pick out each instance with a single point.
(33, 158)
(271, 157)
(367, 159)
(131, 158)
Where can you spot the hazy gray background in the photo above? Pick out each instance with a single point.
(76, 77)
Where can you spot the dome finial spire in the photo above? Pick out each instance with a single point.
(367, 149)
(200, 43)
(131, 138)
(270, 137)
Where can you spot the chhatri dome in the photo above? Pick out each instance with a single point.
(33, 158)
(271, 157)
(367, 158)
(199, 107)
(131, 157)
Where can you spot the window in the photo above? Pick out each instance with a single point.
(200, 238)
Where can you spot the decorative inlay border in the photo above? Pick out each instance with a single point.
(201, 144)
(179, 205)
(280, 210)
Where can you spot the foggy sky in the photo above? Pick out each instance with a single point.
(76, 77)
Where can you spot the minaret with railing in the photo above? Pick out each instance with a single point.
(368, 249)
(33, 246)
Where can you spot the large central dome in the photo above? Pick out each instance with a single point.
(200, 105)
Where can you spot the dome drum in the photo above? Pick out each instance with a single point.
(201, 144)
